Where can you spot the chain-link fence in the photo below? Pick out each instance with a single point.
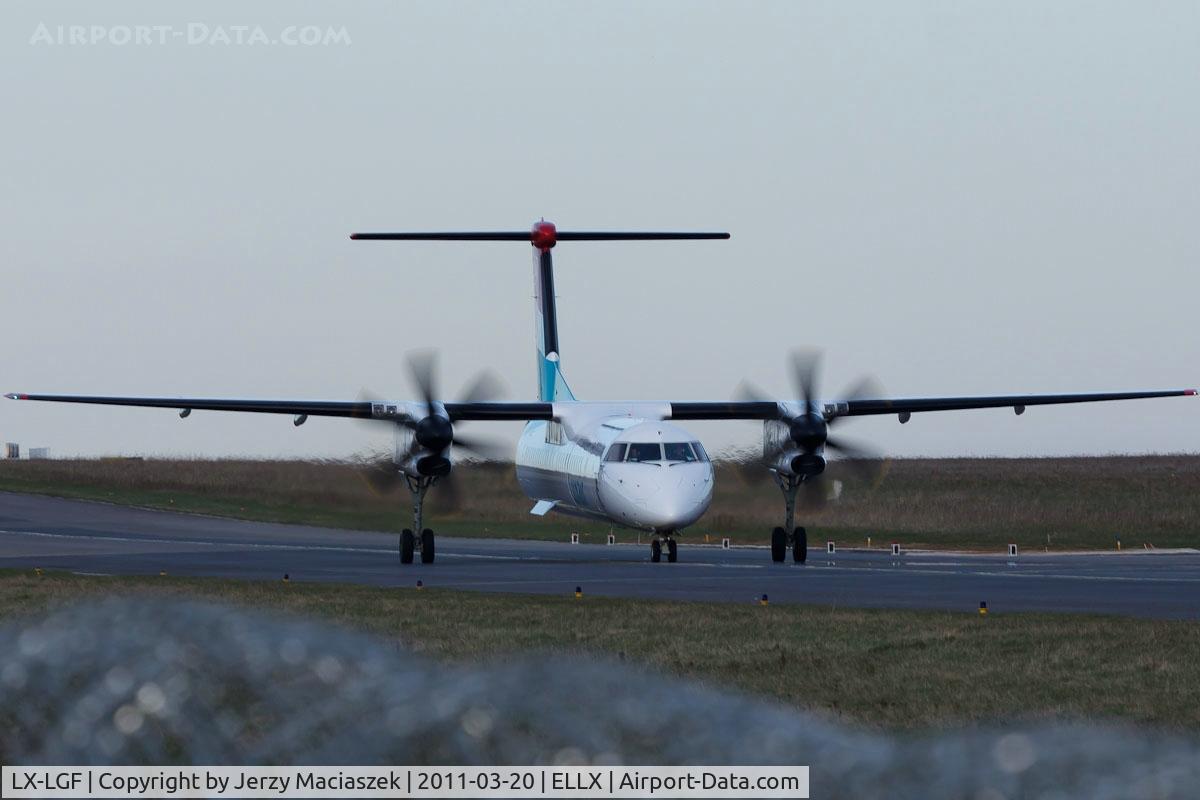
(156, 681)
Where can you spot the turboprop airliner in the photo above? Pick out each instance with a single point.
(626, 463)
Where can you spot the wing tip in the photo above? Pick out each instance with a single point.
(1189, 392)
(15, 396)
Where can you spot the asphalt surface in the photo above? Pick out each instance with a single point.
(97, 538)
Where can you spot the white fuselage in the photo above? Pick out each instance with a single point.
(629, 470)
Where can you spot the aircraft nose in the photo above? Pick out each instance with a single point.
(661, 497)
(679, 502)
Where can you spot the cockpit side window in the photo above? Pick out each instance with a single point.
(645, 451)
(616, 452)
(699, 449)
(679, 451)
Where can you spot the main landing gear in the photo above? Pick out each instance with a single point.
(410, 543)
(656, 548)
(780, 539)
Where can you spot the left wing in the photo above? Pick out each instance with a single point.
(903, 407)
(360, 409)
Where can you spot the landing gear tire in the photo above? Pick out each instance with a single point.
(427, 546)
(656, 551)
(672, 551)
(800, 546)
(408, 544)
(778, 545)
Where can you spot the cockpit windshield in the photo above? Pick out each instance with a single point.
(644, 451)
(670, 452)
(679, 451)
(616, 452)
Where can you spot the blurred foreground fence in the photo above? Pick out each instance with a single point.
(137, 681)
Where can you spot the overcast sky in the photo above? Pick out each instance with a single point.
(958, 197)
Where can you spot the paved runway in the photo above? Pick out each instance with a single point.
(98, 538)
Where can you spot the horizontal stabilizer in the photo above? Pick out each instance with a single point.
(542, 507)
(633, 236)
(449, 236)
(543, 236)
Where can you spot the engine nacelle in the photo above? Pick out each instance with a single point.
(427, 465)
(796, 446)
(422, 450)
(799, 462)
(808, 464)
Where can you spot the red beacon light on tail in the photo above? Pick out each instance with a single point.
(544, 235)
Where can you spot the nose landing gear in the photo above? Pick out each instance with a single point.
(410, 543)
(656, 548)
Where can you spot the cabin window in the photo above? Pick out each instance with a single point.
(699, 449)
(679, 451)
(616, 452)
(647, 451)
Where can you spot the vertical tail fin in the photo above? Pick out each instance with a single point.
(551, 383)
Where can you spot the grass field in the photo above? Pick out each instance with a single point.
(1059, 503)
(885, 669)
